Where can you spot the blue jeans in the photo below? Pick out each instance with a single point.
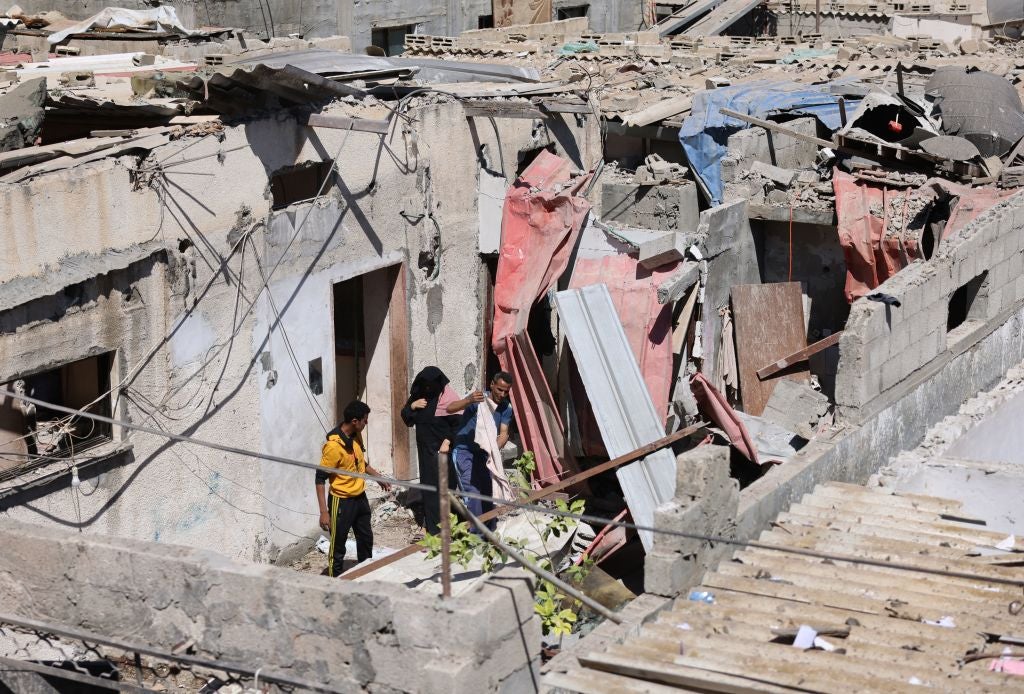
(473, 476)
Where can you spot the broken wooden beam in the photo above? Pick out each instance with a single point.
(798, 356)
(632, 456)
(366, 125)
(775, 127)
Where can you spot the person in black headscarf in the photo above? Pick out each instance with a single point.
(434, 432)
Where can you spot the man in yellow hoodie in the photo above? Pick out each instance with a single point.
(346, 506)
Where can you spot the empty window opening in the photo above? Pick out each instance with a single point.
(570, 12)
(32, 435)
(527, 156)
(297, 183)
(316, 376)
(485, 21)
(391, 40)
(968, 303)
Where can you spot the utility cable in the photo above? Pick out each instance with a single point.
(1017, 583)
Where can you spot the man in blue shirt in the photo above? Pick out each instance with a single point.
(470, 460)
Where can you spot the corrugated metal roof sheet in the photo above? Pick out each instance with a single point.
(622, 405)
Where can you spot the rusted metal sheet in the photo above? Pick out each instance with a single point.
(541, 221)
(874, 231)
(769, 323)
(970, 204)
(714, 406)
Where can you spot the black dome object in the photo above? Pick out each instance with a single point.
(978, 106)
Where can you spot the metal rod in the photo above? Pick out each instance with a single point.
(817, 16)
(842, 111)
(527, 564)
(446, 525)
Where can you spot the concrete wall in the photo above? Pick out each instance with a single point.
(757, 144)
(832, 26)
(856, 451)
(353, 18)
(886, 347)
(396, 201)
(705, 502)
(670, 207)
(354, 636)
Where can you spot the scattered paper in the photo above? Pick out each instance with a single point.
(323, 544)
(1007, 665)
(1007, 544)
(804, 637)
(914, 680)
(944, 622)
(684, 626)
(823, 644)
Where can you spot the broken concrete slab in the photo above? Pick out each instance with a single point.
(21, 114)
(721, 227)
(664, 249)
(678, 284)
(776, 174)
(796, 406)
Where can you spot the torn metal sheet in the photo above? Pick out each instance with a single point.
(324, 62)
(541, 221)
(775, 444)
(971, 202)
(980, 106)
(715, 407)
(884, 119)
(163, 19)
(622, 405)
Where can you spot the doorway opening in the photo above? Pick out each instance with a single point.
(371, 359)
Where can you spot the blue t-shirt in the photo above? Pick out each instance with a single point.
(465, 436)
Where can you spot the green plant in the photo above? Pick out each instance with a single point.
(557, 613)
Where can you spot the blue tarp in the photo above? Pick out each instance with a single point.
(706, 131)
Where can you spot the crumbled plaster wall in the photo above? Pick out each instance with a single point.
(414, 191)
(354, 636)
(705, 503)
(885, 348)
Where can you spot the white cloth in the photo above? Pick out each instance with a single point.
(485, 435)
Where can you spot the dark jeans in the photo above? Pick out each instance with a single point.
(474, 477)
(349, 514)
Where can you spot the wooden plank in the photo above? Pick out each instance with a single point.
(367, 567)
(769, 323)
(863, 667)
(399, 337)
(316, 120)
(699, 679)
(585, 681)
(799, 356)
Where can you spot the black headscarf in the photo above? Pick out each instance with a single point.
(428, 385)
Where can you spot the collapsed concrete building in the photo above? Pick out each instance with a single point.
(760, 244)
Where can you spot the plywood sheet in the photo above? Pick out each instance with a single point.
(768, 320)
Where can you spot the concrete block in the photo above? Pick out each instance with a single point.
(676, 286)
(722, 226)
(891, 373)
(796, 407)
(661, 250)
(783, 177)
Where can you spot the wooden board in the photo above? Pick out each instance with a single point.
(769, 324)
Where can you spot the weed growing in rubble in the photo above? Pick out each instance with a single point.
(548, 602)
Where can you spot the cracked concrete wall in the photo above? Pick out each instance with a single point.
(414, 191)
(705, 502)
(885, 346)
(354, 636)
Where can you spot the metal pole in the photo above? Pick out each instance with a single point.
(817, 16)
(446, 525)
(546, 575)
